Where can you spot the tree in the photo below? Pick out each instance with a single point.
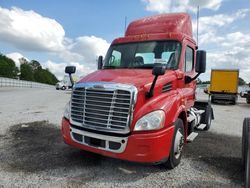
(241, 82)
(45, 76)
(30, 71)
(7, 67)
(206, 82)
(22, 60)
(26, 72)
(35, 65)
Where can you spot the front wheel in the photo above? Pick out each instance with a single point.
(177, 145)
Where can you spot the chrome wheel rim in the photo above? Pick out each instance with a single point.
(178, 144)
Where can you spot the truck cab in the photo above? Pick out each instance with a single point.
(140, 104)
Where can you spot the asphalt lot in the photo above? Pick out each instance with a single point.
(32, 153)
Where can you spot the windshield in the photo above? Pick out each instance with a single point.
(143, 55)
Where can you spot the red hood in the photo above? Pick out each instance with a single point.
(136, 77)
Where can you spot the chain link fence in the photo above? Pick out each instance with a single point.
(8, 82)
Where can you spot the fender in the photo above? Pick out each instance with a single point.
(169, 102)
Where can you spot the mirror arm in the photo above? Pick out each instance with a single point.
(196, 76)
(189, 79)
(71, 80)
(150, 93)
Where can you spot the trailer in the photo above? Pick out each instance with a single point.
(224, 85)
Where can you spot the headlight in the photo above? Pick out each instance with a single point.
(151, 121)
(66, 113)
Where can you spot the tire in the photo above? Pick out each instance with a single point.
(212, 99)
(245, 139)
(63, 87)
(174, 158)
(248, 101)
(208, 117)
(247, 165)
(234, 101)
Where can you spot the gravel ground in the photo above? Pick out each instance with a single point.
(32, 153)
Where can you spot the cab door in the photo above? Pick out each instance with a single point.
(188, 69)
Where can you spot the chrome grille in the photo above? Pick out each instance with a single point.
(106, 107)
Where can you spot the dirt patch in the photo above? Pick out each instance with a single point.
(39, 146)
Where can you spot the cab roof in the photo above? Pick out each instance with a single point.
(178, 23)
(173, 26)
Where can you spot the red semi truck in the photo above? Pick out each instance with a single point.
(140, 105)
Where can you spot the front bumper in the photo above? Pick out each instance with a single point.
(151, 147)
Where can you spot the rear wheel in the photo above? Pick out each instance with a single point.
(247, 173)
(212, 99)
(246, 150)
(245, 138)
(177, 145)
(248, 101)
(234, 100)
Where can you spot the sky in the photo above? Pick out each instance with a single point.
(59, 33)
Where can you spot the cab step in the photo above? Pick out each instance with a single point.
(201, 126)
(192, 136)
(190, 119)
(200, 111)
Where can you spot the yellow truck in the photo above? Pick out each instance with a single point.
(224, 85)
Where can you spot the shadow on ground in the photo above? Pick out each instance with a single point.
(221, 153)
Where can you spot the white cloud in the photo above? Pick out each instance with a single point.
(233, 53)
(58, 68)
(27, 30)
(30, 31)
(206, 4)
(86, 49)
(213, 23)
(164, 6)
(85, 45)
(15, 56)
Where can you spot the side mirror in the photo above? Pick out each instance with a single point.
(200, 61)
(100, 62)
(70, 69)
(159, 69)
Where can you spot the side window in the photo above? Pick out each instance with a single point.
(115, 59)
(189, 59)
